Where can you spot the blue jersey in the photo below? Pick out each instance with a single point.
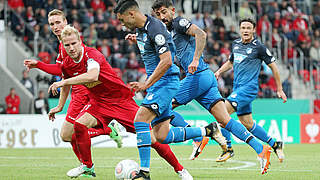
(247, 60)
(185, 44)
(153, 40)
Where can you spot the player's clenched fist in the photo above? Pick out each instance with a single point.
(138, 86)
(131, 37)
(30, 63)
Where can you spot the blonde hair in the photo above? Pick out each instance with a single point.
(58, 13)
(68, 31)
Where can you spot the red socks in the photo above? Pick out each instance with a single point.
(75, 147)
(84, 143)
(165, 152)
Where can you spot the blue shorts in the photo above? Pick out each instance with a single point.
(202, 87)
(159, 97)
(241, 99)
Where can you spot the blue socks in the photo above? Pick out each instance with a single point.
(180, 134)
(242, 133)
(227, 135)
(178, 121)
(261, 134)
(143, 143)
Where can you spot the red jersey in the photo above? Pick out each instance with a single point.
(63, 54)
(12, 104)
(109, 89)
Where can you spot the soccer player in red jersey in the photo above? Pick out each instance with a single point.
(109, 98)
(79, 95)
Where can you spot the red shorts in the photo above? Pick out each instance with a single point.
(77, 103)
(123, 112)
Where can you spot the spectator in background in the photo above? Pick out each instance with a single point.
(315, 53)
(276, 22)
(232, 34)
(49, 5)
(316, 12)
(273, 8)
(74, 4)
(98, 4)
(287, 86)
(197, 20)
(132, 67)
(100, 18)
(117, 58)
(118, 32)
(105, 32)
(73, 16)
(263, 25)
(291, 52)
(14, 4)
(60, 5)
(12, 102)
(276, 38)
(26, 81)
(42, 18)
(90, 36)
(105, 49)
(245, 11)
(221, 35)
(17, 24)
(41, 105)
(208, 21)
(218, 21)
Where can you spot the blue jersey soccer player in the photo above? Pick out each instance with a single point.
(246, 58)
(200, 83)
(157, 51)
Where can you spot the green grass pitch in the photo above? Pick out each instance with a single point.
(302, 162)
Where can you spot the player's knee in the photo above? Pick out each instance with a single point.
(160, 138)
(65, 137)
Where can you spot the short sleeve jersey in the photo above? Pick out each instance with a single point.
(185, 44)
(247, 60)
(76, 89)
(109, 88)
(153, 40)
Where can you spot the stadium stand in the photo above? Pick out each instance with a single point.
(291, 29)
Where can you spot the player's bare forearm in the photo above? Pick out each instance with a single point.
(91, 76)
(163, 66)
(276, 75)
(64, 92)
(225, 67)
(200, 37)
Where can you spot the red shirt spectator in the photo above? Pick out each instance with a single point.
(299, 24)
(263, 25)
(13, 102)
(304, 37)
(96, 4)
(15, 3)
(286, 22)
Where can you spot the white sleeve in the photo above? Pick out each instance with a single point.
(92, 64)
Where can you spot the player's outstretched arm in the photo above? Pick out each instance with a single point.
(163, 66)
(276, 75)
(53, 69)
(200, 37)
(225, 67)
(62, 100)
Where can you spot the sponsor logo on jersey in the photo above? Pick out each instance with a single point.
(145, 38)
(92, 84)
(160, 39)
(249, 50)
(75, 73)
(183, 22)
(235, 48)
(238, 58)
(233, 95)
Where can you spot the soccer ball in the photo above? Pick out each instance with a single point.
(126, 169)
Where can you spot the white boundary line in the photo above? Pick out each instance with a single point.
(246, 164)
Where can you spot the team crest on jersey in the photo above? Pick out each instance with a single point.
(234, 104)
(145, 38)
(160, 39)
(238, 58)
(233, 95)
(249, 50)
(150, 97)
(183, 22)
